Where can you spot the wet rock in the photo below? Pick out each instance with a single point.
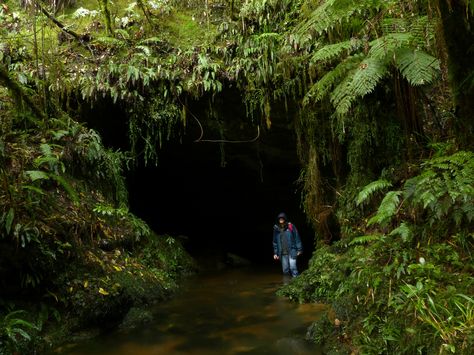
(135, 317)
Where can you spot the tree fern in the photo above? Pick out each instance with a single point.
(369, 190)
(416, 66)
(387, 209)
(399, 45)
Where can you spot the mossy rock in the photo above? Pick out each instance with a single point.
(135, 317)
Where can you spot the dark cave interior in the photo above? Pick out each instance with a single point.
(220, 198)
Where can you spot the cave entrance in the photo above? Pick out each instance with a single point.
(222, 198)
(231, 209)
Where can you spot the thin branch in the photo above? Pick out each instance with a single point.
(81, 38)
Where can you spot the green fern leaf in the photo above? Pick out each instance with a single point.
(403, 230)
(332, 12)
(423, 30)
(342, 94)
(359, 83)
(367, 76)
(37, 175)
(145, 49)
(124, 34)
(332, 51)
(67, 187)
(151, 40)
(365, 239)
(324, 85)
(387, 209)
(418, 67)
(394, 25)
(384, 46)
(371, 188)
(46, 149)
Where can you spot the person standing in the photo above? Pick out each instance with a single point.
(286, 245)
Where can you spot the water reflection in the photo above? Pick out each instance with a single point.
(230, 312)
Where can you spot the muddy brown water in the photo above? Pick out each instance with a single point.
(226, 312)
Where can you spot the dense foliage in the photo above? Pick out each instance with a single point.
(381, 94)
(414, 260)
(69, 243)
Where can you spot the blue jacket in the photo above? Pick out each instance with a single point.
(293, 239)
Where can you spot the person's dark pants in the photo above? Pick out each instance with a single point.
(288, 265)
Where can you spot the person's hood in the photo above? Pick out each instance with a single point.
(283, 215)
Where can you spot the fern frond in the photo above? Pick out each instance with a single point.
(46, 149)
(423, 30)
(331, 51)
(385, 46)
(341, 97)
(67, 187)
(394, 25)
(412, 185)
(403, 230)
(324, 85)
(332, 12)
(365, 239)
(362, 82)
(445, 189)
(369, 73)
(387, 209)
(418, 67)
(123, 33)
(372, 188)
(37, 175)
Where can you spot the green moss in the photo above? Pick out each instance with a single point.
(182, 28)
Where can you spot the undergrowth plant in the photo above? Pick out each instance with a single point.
(15, 331)
(414, 258)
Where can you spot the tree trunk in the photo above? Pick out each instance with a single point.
(458, 33)
(104, 6)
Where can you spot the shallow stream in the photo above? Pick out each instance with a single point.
(226, 312)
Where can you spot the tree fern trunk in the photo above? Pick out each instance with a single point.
(458, 32)
(407, 101)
